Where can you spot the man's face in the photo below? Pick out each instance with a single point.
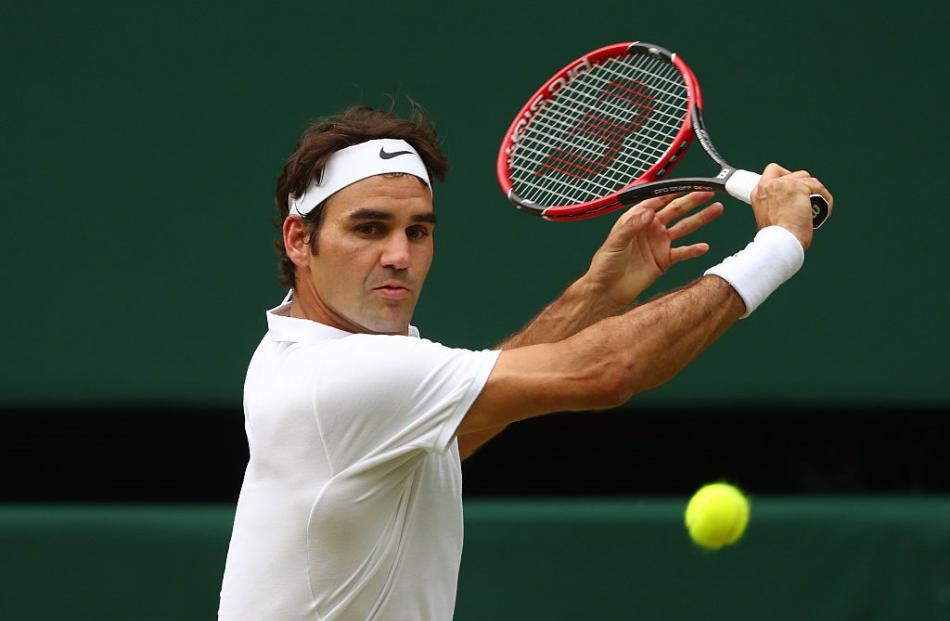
(374, 249)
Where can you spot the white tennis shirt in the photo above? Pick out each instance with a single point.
(351, 507)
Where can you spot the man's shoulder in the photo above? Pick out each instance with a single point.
(380, 348)
(358, 356)
(336, 351)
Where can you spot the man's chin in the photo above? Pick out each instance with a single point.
(380, 325)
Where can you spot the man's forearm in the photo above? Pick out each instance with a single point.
(573, 311)
(605, 365)
(653, 325)
(653, 342)
(577, 308)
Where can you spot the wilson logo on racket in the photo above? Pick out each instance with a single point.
(606, 131)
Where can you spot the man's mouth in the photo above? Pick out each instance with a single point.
(392, 291)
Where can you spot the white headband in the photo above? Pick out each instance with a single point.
(349, 165)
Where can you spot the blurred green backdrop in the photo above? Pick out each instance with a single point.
(141, 142)
(809, 558)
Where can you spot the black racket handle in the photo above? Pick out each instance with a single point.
(819, 210)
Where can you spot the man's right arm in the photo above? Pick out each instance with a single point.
(604, 365)
(636, 252)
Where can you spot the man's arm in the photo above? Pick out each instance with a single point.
(637, 251)
(606, 364)
(577, 308)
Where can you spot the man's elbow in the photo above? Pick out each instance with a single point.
(614, 387)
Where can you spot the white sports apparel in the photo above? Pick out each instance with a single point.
(351, 507)
(357, 162)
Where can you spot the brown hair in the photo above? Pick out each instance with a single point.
(330, 134)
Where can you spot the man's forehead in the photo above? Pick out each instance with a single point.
(390, 193)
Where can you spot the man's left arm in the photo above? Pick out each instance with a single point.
(637, 251)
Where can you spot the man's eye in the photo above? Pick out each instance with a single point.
(369, 228)
(417, 232)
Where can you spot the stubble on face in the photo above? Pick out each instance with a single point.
(374, 252)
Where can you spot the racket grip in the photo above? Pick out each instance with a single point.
(741, 183)
(819, 210)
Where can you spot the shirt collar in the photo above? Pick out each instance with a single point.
(282, 327)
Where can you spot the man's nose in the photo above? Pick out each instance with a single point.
(396, 252)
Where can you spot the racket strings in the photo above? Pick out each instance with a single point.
(568, 164)
(597, 86)
(606, 128)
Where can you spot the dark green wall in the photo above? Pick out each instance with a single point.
(824, 560)
(141, 144)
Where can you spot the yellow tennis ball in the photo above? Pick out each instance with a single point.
(717, 515)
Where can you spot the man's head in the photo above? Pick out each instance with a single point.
(358, 256)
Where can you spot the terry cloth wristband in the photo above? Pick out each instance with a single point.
(756, 271)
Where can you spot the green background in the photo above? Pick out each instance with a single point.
(140, 146)
(808, 558)
(141, 143)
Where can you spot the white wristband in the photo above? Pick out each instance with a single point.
(755, 272)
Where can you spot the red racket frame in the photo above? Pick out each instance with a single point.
(548, 91)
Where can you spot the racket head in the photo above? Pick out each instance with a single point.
(618, 116)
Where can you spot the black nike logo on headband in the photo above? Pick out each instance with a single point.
(388, 156)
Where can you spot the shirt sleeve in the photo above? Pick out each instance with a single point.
(379, 394)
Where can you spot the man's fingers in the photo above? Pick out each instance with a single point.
(774, 171)
(801, 181)
(681, 206)
(682, 253)
(696, 221)
(658, 202)
(814, 185)
(654, 204)
(628, 225)
(817, 187)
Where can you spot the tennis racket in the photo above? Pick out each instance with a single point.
(606, 131)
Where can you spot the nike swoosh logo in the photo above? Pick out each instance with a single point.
(388, 156)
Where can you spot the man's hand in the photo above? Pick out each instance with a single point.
(782, 199)
(639, 249)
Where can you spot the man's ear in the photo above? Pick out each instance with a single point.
(297, 240)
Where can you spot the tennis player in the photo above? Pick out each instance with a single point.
(351, 507)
